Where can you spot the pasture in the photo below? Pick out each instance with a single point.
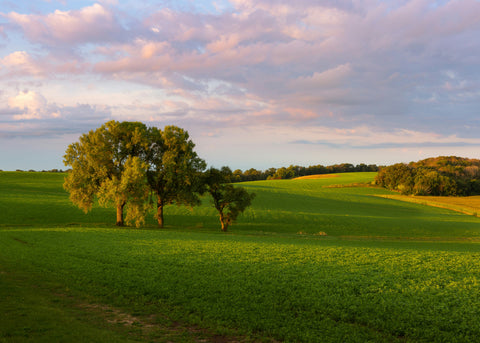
(313, 260)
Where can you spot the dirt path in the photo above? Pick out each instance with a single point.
(36, 309)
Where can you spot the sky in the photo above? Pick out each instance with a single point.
(257, 84)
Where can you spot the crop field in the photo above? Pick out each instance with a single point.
(466, 205)
(313, 260)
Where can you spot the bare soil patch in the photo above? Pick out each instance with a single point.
(159, 328)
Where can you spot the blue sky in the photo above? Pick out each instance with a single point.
(256, 83)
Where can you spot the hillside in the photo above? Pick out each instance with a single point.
(307, 262)
(281, 207)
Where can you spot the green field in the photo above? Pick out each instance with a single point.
(312, 260)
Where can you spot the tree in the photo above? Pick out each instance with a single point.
(107, 163)
(440, 176)
(268, 174)
(174, 172)
(396, 177)
(131, 189)
(237, 176)
(428, 181)
(228, 200)
(281, 173)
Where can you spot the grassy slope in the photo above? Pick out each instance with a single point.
(263, 277)
(466, 205)
(313, 206)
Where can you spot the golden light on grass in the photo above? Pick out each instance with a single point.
(317, 176)
(467, 205)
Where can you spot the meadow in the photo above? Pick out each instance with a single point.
(313, 260)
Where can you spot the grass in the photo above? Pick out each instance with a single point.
(385, 271)
(466, 205)
(35, 311)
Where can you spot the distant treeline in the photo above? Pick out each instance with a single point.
(290, 172)
(43, 171)
(444, 175)
(298, 171)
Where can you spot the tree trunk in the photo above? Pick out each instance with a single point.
(224, 222)
(160, 213)
(120, 214)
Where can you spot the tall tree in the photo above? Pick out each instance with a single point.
(174, 173)
(228, 200)
(129, 191)
(107, 163)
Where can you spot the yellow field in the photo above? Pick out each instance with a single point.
(317, 176)
(468, 205)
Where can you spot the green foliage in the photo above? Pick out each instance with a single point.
(433, 176)
(284, 173)
(396, 177)
(116, 162)
(174, 169)
(98, 162)
(131, 189)
(228, 200)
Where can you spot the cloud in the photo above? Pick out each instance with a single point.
(20, 63)
(90, 24)
(30, 105)
(331, 78)
(396, 71)
(370, 138)
(30, 115)
(314, 58)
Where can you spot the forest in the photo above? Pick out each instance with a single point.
(439, 176)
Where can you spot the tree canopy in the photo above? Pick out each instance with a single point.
(121, 163)
(174, 169)
(228, 200)
(106, 163)
(443, 175)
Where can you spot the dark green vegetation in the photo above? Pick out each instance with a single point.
(228, 200)
(120, 163)
(294, 171)
(130, 166)
(444, 175)
(310, 260)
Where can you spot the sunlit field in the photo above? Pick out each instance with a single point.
(313, 260)
(466, 205)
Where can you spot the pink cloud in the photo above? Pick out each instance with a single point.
(89, 24)
(20, 62)
(31, 105)
(266, 61)
(23, 64)
(330, 78)
(223, 43)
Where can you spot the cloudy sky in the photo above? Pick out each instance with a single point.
(257, 84)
